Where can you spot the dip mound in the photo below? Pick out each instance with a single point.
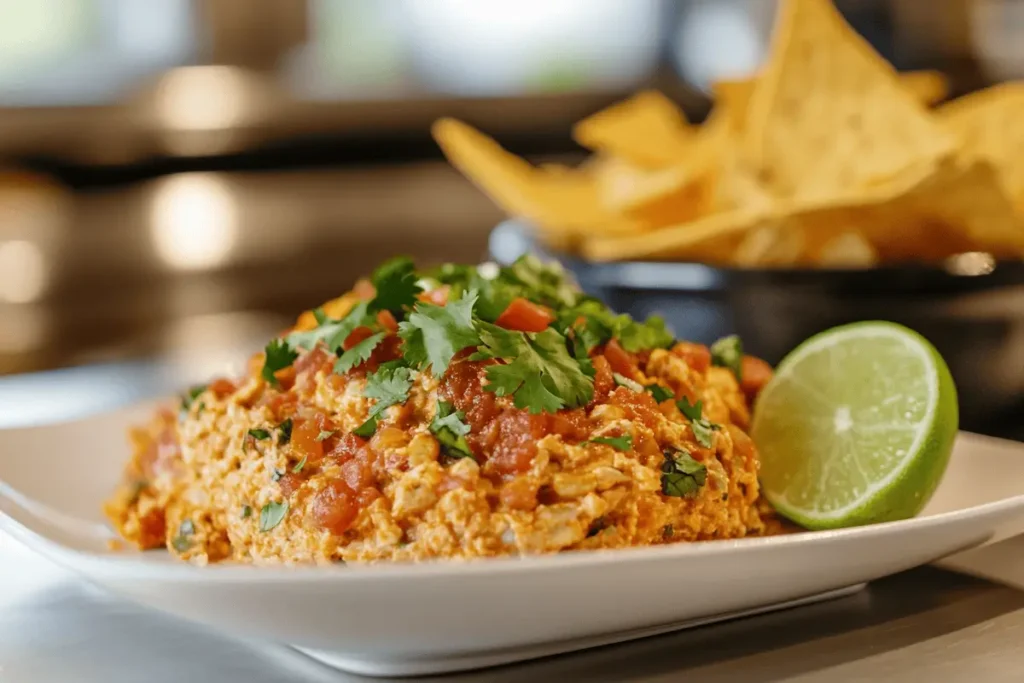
(453, 415)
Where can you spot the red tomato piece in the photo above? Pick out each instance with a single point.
(525, 316)
(697, 356)
(387, 321)
(335, 507)
(756, 374)
(622, 361)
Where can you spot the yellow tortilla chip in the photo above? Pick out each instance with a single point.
(711, 239)
(648, 130)
(927, 87)
(846, 250)
(553, 198)
(770, 245)
(828, 114)
(990, 124)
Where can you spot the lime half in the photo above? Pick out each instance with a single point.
(856, 427)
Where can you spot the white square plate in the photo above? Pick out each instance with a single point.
(417, 619)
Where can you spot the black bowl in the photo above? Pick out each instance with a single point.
(971, 309)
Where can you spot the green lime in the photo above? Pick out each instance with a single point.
(856, 427)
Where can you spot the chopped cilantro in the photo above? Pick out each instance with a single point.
(359, 353)
(333, 333)
(136, 491)
(366, 430)
(190, 396)
(276, 475)
(539, 372)
(667, 532)
(183, 540)
(286, 431)
(279, 355)
(324, 434)
(451, 431)
(389, 385)
(597, 526)
(681, 475)
(298, 467)
(619, 443)
(727, 352)
(594, 324)
(396, 284)
(651, 334)
(434, 334)
(320, 316)
(271, 515)
(246, 511)
(624, 381)
(703, 430)
(659, 392)
(259, 434)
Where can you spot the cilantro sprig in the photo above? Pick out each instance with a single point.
(388, 386)
(432, 334)
(539, 373)
(727, 352)
(619, 443)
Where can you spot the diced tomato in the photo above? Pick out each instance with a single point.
(281, 406)
(622, 361)
(290, 482)
(358, 473)
(358, 335)
(285, 377)
(364, 289)
(386, 320)
(525, 316)
(222, 387)
(437, 296)
(755, 375)
(304, 437)
(697, 356)
(367, 496)
(345, 448)
(604, 383)
(335, 507)
(638, 405)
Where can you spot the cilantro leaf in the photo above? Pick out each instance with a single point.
(389, 385)
(286, 431)
(619, 443)
(331, 332)
(246, 511)
(539, 372)
(396, 284)
(681, 475)
(298, 467)
(546, 283)
(324, 434)
(279, 355)
(366, 430)
(451, 431)
(593, 323)
(359, 353)
(659, 392)
(272, 514)
(320, 315)
(636, 336)
(189, 398)
(183, 540)
(434, 334)
(727, 352)
(703, 430)
(259, 434)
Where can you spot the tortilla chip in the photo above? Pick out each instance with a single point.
(770, 245)
(648, 130)
(711, 239)
(828, 113)
(989, 124)
(554, 198)
(846, 250)
(927, 87)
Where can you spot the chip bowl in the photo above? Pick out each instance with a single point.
(970, 307)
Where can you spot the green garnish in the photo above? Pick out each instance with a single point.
(451, 431)
(246, 511)
(594, 324)
(703, 430)
(396, 284)
(320, 316)
(190, 396)
(624, 381)
(681, 475)
(538, 371)
(389, 385)
(434, 334)
(324, 434)
(667, 532)
(286, 432)
(727, 352)
(333, 333)
(619, 443)
(276, 475)
(259, 434)
(359, 353)
(271, 515)
(659, 392)
(298, 467)
(183, 540)
(279, 355)
(367, 429)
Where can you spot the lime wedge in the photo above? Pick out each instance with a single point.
(856, 427)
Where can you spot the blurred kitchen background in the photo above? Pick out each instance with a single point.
(179, 177)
